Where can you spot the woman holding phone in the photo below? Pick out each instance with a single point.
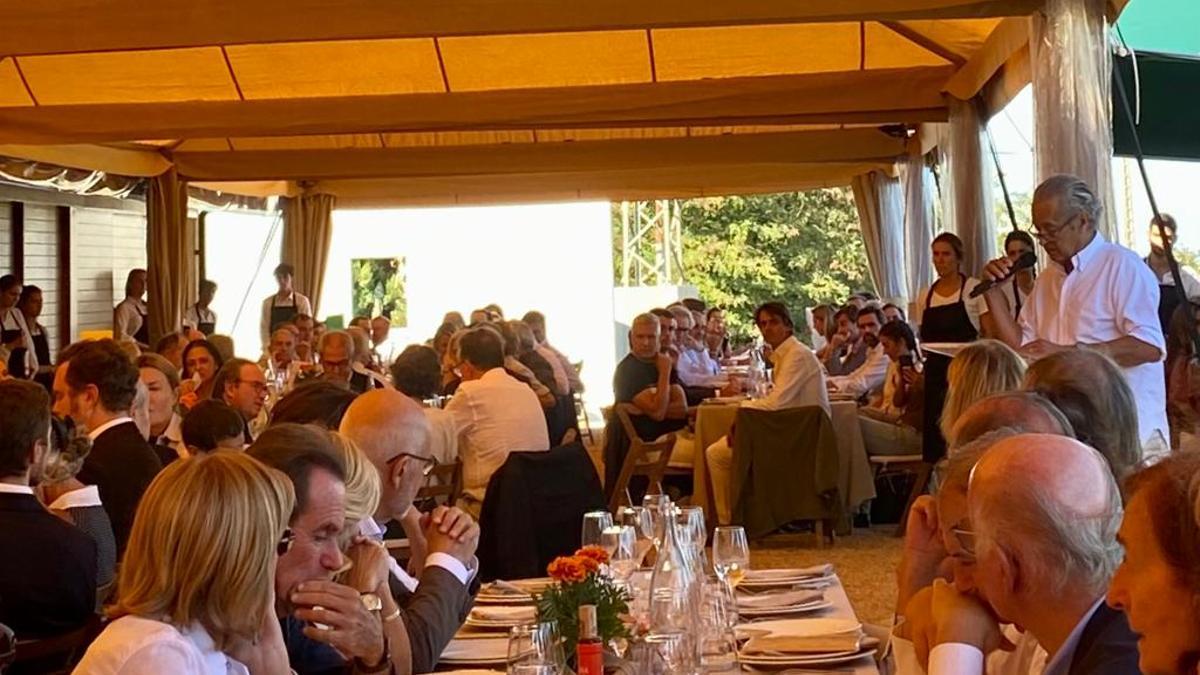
(891, 423)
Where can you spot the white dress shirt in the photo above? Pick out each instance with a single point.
(443, 442)
(297, 300)
(367, 527)
(1191, 282)
(697, 369)
(954, 658)
(1027, 658)
(867, 378)
(88, 495)
(1111, 293)
(193, 316)
(95, 433)
(134, 645)
(797, 379)
(14, 489)
(14, 319)
(127, 317)
(494, 415)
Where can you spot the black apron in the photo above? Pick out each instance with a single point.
(1016, 299)
(143, 334)
(206, 327)
(41, 349)
(16, 358)
(947, 323)
(1168, 302)
(282, 314)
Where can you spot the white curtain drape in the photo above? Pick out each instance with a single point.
(918, 222)
(1072, 71)
(880, 202)
(970, 210)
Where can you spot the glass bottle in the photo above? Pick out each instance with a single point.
(675, 596)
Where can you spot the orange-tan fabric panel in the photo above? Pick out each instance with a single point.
(123, 161)
(38, 27)
(962, 37)
(855, 145)
(160, 75)
(860, 97)
(342, 68)
(490, 62)
(1006, 40)
(12, 90)
(264, 188)
(634, 183)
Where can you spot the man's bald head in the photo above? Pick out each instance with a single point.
(1021, 411)
(1058, 522)
(392, 431)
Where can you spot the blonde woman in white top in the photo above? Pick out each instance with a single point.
(197, 580)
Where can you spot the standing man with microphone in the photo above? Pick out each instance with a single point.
(1093, 295)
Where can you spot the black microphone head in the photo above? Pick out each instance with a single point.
(1028, 259)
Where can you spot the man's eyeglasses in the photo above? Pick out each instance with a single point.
(428, 463)
(1051, 231)
(285, 541)
(965, 539)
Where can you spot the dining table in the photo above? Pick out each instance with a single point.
(856, 482)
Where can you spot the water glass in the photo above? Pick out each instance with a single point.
(639, 519)
(654, 505)
(690, 520)
(621, 544)
(718, 616)
(663, 654)
(534, 650)
(594, 524)
(731, 554)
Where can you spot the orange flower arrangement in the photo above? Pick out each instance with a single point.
(593, 553)
(567, 570)
(580, 583)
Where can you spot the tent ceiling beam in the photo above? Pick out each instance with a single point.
(884, 96)
(38, 28)
(810, 147)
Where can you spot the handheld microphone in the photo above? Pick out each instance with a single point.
(1028, 259)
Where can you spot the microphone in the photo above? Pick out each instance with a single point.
(1028, 259)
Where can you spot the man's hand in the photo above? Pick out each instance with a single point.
(964, 619)
(1040, 349)
(664, 363)
(837, 342)
(452, 531)
(353, 630)
(924, 553)
(370, 570)
(996, 270)
(918, 626)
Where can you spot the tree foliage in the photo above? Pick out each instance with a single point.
(378, 288)
(800, 248)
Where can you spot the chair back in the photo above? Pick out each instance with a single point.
(645, 458)
(444, 483)
(58, 653)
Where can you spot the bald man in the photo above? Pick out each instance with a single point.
(393, 433)
(1023, 411)
(1045, 549)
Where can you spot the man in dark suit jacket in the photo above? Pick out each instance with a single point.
(1045, 549)
(94, 385)
(48, 569)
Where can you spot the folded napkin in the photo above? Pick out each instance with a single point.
(788, 574)
(778, 599)
(500, 587)
(466, 650)
(816, 644)
(514, 614)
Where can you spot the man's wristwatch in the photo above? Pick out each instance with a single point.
(373, 603)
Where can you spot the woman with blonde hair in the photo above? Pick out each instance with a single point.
(980, 369)
(197, 580)
(362, 485)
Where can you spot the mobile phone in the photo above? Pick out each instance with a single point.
(906, 360)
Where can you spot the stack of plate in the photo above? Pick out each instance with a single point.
(803, 642)
(476, 652)
(511, 592)
(497, 617)
(819, 576)
(780, 601)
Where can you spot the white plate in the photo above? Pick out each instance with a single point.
(478, 651)
(784, 611)
(816, 660)
(504, 600)
(816, 627)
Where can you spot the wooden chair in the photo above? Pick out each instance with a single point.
(445, 482)
(914, 464)
(57, 654)
(645, 458)
(581, 416)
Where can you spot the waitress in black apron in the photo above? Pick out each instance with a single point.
(135, 288)
(1168, 296)
(274, 311)
(14, 335)
(30, 306)
(199, 316)
(947, 322)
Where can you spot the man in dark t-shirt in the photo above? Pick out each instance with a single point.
(647, 379)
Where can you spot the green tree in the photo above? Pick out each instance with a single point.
(800, 248)
(378, 289)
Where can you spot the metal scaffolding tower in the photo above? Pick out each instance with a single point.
(651, 246)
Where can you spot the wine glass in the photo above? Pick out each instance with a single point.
(690, 521)
(731, 554)
(594, 524)
(639, 519)
(654, 505)
(621, 544)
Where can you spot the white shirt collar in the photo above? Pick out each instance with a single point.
(95, 433)
(1084, 256)
(88, 495)
(9, 488)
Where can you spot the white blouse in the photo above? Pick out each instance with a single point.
(134, 645)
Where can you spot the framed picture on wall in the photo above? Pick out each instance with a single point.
(377, 287)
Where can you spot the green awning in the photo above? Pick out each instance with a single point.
(1169, 26)
(1165, 100)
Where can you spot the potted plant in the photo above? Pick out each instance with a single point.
(583, 579)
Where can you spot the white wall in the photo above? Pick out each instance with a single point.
(555, 258)
(241, 252)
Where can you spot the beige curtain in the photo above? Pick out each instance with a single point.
(970, 212)
(171, 253)
(918, 223)
(1072, 70)
(307, 231)
(880, 203)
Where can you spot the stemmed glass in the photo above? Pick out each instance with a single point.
(640, 520)
(654, 506)
(594, 524)
(731, 554)
(620, 542)
(534, 650)
(690, 521)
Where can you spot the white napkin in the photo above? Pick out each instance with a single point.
(818, 644)
(514, 614)
(465, 650)
(789, 574)
(778, 599)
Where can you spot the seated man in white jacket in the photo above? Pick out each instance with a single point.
(797, 380)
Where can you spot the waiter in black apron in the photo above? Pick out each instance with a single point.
(30, 307)
(131, 318)
(285, 305)
(14, 335)
(199, 316)
(1168, 296)
(943, 323)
